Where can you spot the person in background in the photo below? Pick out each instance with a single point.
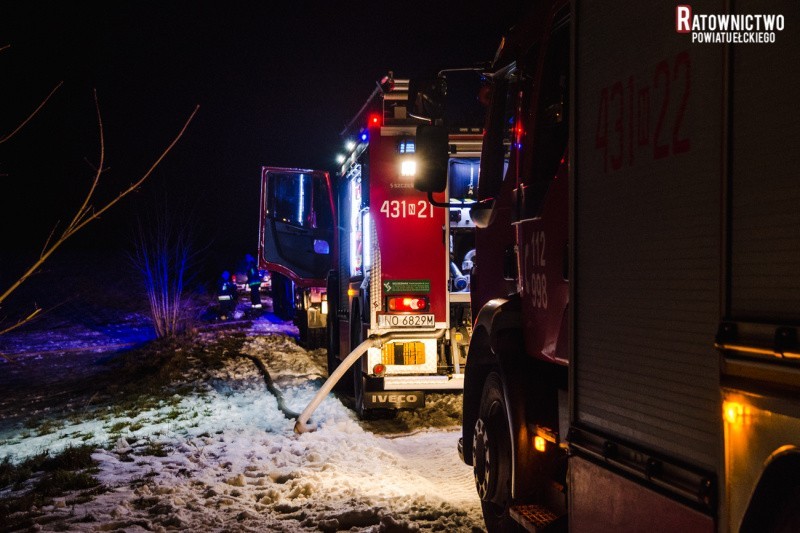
(254, 281)
(226, 296)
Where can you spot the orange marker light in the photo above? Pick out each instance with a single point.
(736, 414)
(539, 443)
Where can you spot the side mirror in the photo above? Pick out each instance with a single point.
(432, 153)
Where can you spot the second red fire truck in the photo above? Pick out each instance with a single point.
(395, 268)
(635, 363)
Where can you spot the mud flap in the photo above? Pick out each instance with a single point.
(394, 399)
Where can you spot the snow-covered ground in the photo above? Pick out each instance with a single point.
(224, 458)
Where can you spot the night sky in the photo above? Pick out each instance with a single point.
(275, 82)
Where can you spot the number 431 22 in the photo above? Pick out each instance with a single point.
(626, 127)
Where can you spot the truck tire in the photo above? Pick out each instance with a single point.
(343, 385)
(301, 321)
(358, 392)
(282, 297)
(315, 338)
(787, 519)
(310, 338)
(356, 338)
(332, 331)
(491, 457)
(332, 345)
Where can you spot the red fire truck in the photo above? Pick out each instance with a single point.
(636, 290)
(399, 269)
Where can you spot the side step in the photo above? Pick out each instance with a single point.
(538, 519)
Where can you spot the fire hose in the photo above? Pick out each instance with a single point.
(373, 341)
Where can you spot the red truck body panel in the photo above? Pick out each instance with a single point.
(410, 231)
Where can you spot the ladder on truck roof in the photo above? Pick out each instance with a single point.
(394, 97)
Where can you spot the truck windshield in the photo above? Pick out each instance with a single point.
(300, 199)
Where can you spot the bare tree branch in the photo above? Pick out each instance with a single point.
(136, 185)
(35, 111)
(84, 215)
(37, 312)
(49, 238)
(21, 321)
(83, 209)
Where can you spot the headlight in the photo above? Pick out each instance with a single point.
(408, 167)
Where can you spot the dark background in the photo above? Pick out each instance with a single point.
(276, 82)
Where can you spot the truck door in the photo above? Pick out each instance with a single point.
(541, 200)
(297, 224)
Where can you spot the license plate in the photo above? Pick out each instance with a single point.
(406, 321)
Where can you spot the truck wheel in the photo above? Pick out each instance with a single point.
(787, 519)
(491, 456)
(301, 321)
(358, 391)
(332, 346)
(356, 338)
(332, 332)
(315, 338)
(282, 297)
(343, 385)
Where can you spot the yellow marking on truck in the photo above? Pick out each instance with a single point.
(403, 353)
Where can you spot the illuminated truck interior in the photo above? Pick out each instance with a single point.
(463, 184)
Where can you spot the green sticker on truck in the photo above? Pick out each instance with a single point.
(406, 285)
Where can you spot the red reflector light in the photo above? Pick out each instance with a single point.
(379, 370)
(374, 120)
(407, 303)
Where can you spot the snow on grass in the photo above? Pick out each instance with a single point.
(223, 457)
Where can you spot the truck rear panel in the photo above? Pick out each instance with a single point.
(409, 230)
(687, 265)
(647, 228)
(410, 260)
